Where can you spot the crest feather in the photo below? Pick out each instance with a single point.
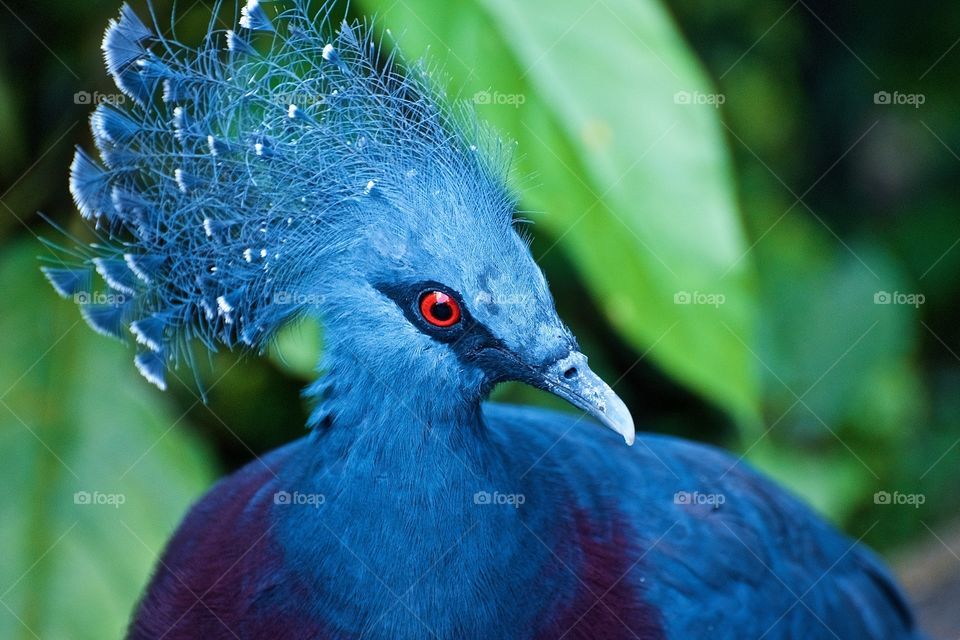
(247, 167)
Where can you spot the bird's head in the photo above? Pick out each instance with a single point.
(446, 296)
(290, 168)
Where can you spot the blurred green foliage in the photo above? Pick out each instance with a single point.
(781, 188)
(97, 472)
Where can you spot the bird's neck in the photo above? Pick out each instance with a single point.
(429, 479)
(390, 416)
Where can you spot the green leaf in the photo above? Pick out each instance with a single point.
(634, 184)
(97, 472)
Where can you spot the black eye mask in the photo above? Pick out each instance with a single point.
(467, 337)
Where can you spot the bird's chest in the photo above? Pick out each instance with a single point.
(457, 551)
(397, 564)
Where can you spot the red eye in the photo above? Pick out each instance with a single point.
(439, 309)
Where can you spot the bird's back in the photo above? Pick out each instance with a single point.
(726, 552)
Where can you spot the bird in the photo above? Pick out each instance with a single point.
(295, 166)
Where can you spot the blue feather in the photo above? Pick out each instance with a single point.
(89, 186)
(119, 159)
(112, 125)
(130, 206)
(227, 306)
(247, 179)
(176, 90)
(331, 55)
(123, 44)
(136, 85)
(296, 113)
(186, 181)
(153, 367)
(184, 126)
(108, 319)
(68, 282)
(152, 68)
(251, 333)
(217, 147)
(117, 274)
(263, 148)
(253, 17)
(144, 267)
(150, 332)
(237, 45)
(207, 301)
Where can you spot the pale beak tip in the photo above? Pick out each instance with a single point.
(626, 429)
(617, 417)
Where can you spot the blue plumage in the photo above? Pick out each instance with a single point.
(253, 17)
(117, 274)
(107, 318)
(90, 187)
(241, 176)
(69, 282)
(291, 166)
(111, 126)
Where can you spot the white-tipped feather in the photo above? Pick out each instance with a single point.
(144, 339)
(144, 365)
(246, 181)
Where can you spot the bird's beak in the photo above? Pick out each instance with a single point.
(571, 379)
